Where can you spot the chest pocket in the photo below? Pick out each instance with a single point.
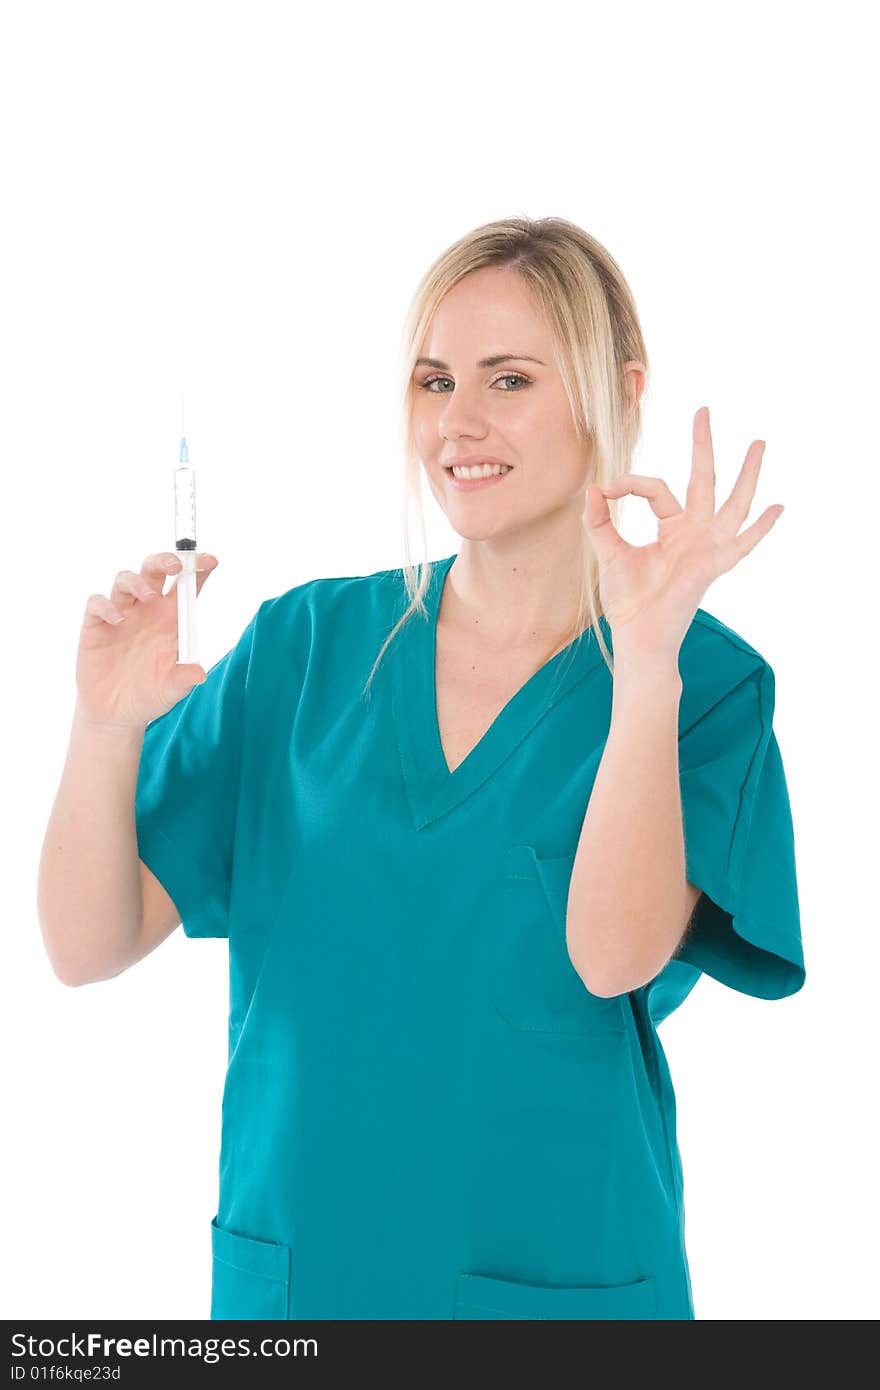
(535, 987)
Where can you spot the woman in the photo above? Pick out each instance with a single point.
(471, 834)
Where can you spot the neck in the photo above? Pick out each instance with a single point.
(514, 598)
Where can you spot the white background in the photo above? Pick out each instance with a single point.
(235, 201)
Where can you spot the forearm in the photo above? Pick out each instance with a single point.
(89, 894)
(628, 896)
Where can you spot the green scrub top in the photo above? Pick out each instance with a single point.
(426, 1113)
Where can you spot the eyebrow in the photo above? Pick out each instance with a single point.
(484, 362)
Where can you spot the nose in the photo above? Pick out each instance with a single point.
(462, 420)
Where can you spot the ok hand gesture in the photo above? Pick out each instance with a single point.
(650, 593)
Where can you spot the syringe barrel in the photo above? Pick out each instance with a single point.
(185, 544)
(184, 509)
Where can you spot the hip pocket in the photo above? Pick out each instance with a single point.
(535, 987)
(249, 1278)
(481, 1296)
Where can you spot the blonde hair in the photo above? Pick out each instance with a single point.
(581, 292)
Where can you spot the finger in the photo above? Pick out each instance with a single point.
(205, 565)
(156, 568)
(99, 609)
(663, 501)
(734, 511)
(756, 532)
(604, 536)
(700, 497)
(128, 588)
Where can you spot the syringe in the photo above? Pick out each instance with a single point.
(185, 545)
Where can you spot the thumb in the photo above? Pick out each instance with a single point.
(605, 537)
(189, 675)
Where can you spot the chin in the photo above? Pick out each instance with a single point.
(473, 531)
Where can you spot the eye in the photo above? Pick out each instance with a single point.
(505, 376)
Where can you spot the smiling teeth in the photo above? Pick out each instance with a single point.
(486, 470)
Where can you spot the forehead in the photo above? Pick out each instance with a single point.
(489, 311)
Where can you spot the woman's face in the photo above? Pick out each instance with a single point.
(515, 410)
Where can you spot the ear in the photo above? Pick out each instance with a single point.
(635, 376)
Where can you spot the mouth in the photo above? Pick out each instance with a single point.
(467, 479)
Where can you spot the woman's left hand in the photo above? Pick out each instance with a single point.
(650, 593)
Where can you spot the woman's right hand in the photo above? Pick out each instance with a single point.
(127, 671)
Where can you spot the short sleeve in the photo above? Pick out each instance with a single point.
(186, 799)
(739, 847)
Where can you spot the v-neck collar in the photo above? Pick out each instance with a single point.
(431, 788)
